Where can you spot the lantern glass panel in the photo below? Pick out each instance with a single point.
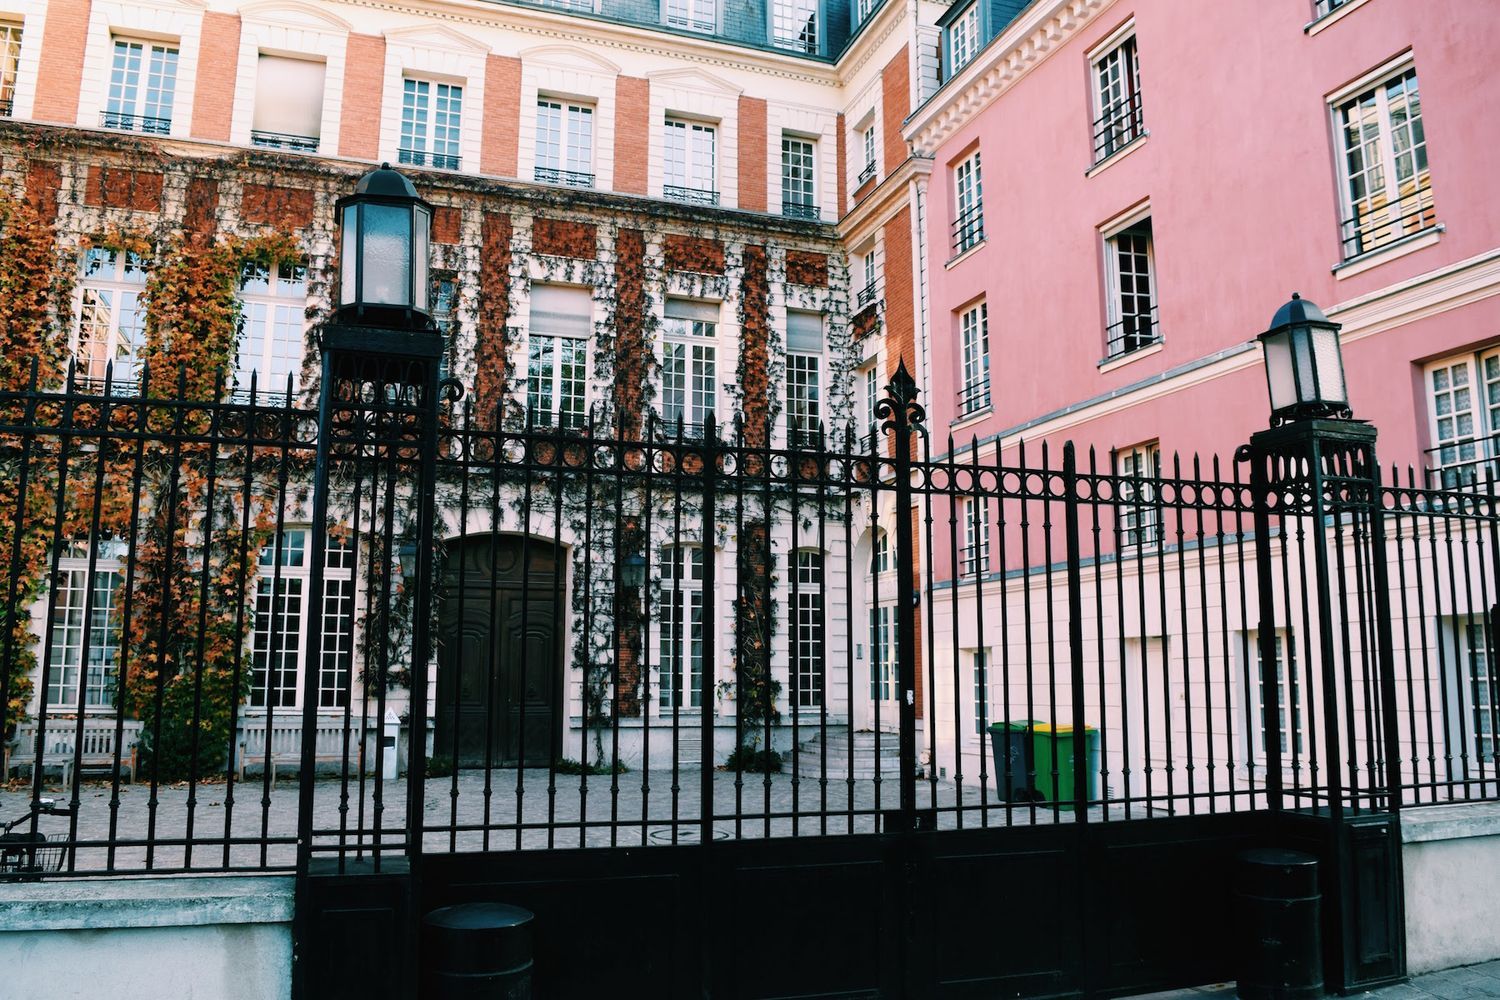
(1330, 368)
(1305, 364)
(1279, 378)
(421, 225)
(348, 256)
(386, 258)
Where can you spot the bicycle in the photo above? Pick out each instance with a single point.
(26, 854)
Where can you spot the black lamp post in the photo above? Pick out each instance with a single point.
(383, 248)
(1304, 364)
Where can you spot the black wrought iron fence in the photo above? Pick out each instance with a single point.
(667, 636)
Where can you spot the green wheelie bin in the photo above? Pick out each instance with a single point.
(1044, 739)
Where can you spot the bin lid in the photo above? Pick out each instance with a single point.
(1277, 873)
(1019, 726)
(1047, 727)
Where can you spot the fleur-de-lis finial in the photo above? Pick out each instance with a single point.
(899, 410)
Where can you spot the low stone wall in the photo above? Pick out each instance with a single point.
(227, 938)
(1451, 856)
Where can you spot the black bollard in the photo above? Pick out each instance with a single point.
(1276, 903)
(477, 951)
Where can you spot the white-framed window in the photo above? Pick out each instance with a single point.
(690, 367)
(444, 299)
(963, 39)
(870, 380)
(880, 552)
(1479, 683)
(1285, 699)
(974, 355)
(431, 123)
(864, 272)
(288, 103)
(794, 25)
(273, 307)
(883, 653)
(1139, 468)
(1386, 181)
(1463, 397)
(694, 15)
(804, 376)
(968, 204)
(984, 713)
(557, 350)
(86, 635)
(807, 642)
(142, 85)
(111, 316)
(863, 9)
(867, 139)
(281, 617)
(691, 164)
(564, 143)
(1130, 290)
(1117, 99)
(10, 62)
(799, 169)
(974, 548)
(680, 678)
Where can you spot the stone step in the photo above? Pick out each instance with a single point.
(845, 753)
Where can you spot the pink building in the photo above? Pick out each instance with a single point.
(1124, 191)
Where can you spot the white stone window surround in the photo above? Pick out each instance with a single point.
(176, 23)
(31, 15)
(283, 28)
(565, 73)
(439, 55)
(861, 114)
(809, 124)
(697, 96)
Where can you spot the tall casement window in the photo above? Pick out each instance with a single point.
(431, 123)
(283, 613)
(870, 378)
(693, 15)
(866, 273)
(983, 713)
(273, 303)
(963, 39)
(1387, 184)
(807, 643)
(85, 626)
(557, 349)
(883, 653)
(880, 552)
(1477, 681)
(1130, 290)
(444, 299)
(564, 143)
(867, 145)
(142, 82)
(1139, 469)
(794, 25)
(288, 103)
(968, 205)
(799, 167)
(974, 543)
(680, 681)
(691, 171)
(804, 376)
(10, 62)
(974, 352)
(1284, 700)
(1463, 396)
(1117, 100)
(111, 317)
(689, 368)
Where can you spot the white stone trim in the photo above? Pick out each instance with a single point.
(821, 127)
(693, 94)
(567, 72)
(32, 16)
(160, 21)
(433, 52)
(285, 27)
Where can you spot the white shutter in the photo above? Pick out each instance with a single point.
(703, 312)
(562, 311)
(804, 332)
(289, 96)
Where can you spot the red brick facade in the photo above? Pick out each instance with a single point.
(61, 71)
(284, 208)
(200, 213)
(752, 165)
(842, 163)
(557, 238)
(895, 97)
(118, 187)
(900, 321)
(805, 268)
(43, 182)
(631, 349)
(219, 52)
(446, 222)
(501, 135)
(755, 322)
(490, 342)
(364, 81)
(632, 126)
(693, 253)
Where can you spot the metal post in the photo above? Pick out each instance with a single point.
(706, 681)
(1075, 635)
(1260, 499)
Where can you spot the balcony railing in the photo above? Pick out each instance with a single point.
(1467, 463)
(135, 123)
(422, 158)
(284, 140)
(1409, 213)
(1322, 8)
(692, 196)
(866, 174)
(1131, 332)
(690, 23)
(974, 397)
(567, 178)
(866, 297)
(1119, 126)
(968, 228)
(800, 210)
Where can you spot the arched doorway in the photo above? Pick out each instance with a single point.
(499, 690)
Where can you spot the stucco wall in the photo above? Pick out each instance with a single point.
(1452, 860)
(144, 939)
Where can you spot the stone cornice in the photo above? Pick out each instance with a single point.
(868, 41)
(1012, 54)
(888, 198)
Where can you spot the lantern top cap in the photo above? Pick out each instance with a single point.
(386, 183)
(1297, 312)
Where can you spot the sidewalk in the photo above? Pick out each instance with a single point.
(1452, 984)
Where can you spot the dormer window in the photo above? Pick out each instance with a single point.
(963, 39)
(794, 25)
(692, 15)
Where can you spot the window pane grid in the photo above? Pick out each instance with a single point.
(565, 143)
(807, 644)
(111, 318)
(1117, 93)
(272, 332)
(1388, 186)
(431, 124)
(135, 104)
(1132, 300)
(794, 25)
(804, 398)
(681, 629)
(556, 380)
(10, 61)
(690, 166)
(882, 653)
(694, 15)
(797, 170)
(1139, 514)
(968, 223)
(963, 38)
(974, 336)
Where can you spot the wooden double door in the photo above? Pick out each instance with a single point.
(499, 684)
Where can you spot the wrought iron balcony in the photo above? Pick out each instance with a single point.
(692, 196)
(974, 397)
(284, 140)
(968, 228)
(135, 123)
(1121, 124)
(1131, 332)
(567, 178)
(7, 107)
(800, 210)
(1383, 222)
(865, 297)
(1471, 463)
(866, 174)
(422, 158)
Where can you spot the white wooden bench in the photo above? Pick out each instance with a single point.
(60, 747)
(286, 743)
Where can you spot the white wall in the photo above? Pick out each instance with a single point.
(1451, 856)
